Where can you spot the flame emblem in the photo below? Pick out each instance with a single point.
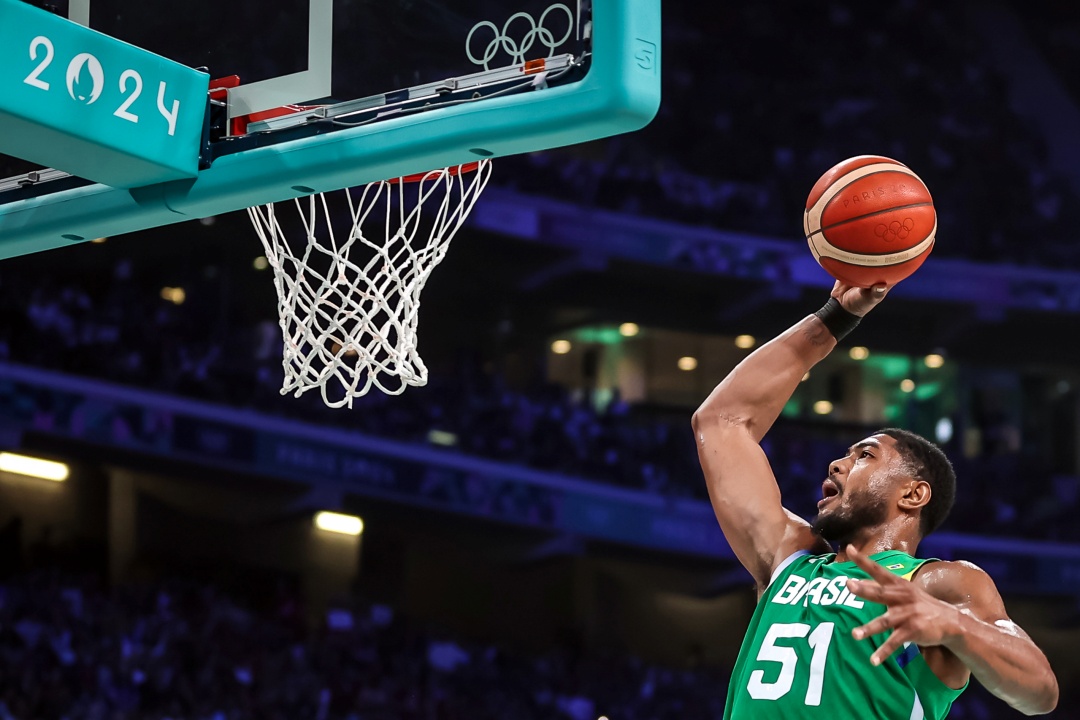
(78, 85)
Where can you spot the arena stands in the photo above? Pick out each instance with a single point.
(919, 86)
(177, 648)
(125, 332)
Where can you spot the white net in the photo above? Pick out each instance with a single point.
(349, 297)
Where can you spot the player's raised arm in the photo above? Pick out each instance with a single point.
(730, 424)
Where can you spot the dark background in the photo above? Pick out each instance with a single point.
(157, 585)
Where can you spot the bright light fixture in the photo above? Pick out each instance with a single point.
(859, 353)
(943, 430)
(338, 523)
(629, 329)
(260, 263)
(442, 437)
(907, 385)
(806, 376)
(934, 361)
(687, 363)
(174, 295)
(823, 407)
(561, 347)
(745, 342)
(34, 467)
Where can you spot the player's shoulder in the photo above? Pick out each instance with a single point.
(954, 581)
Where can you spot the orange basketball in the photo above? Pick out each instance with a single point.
(870, 220)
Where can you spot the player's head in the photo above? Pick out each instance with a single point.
(892, 476)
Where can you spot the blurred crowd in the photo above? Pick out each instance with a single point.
(761, 98)
(72, 648)
(118, 328)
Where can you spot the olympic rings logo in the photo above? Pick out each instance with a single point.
(503, 39)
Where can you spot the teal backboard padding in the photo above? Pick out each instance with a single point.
(88, 104)
(620, 93)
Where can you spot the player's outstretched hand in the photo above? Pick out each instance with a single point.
(911, 613)
(856, 300)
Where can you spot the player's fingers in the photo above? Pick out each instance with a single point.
(875, 571)
(878, 625)
(867, 590)
(874, 292)
(877, 293)
(891, 645)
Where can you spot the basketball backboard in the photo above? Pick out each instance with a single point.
(299, 51)
(411, 85)
(325, 51)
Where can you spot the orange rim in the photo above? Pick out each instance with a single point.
(452, 170)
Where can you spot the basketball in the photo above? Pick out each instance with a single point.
(870, 220)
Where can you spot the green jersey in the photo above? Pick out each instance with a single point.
(798, 659)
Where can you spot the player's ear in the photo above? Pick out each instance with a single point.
(916, 494)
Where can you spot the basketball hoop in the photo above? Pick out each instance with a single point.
(349, 298)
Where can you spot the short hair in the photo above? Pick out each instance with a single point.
(925, 461)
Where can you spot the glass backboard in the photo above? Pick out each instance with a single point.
(402, 86)
(299, 51)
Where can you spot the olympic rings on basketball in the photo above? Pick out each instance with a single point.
(503, 40)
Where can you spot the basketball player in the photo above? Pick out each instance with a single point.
(869, 631)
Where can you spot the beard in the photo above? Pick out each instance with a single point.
(842, 525)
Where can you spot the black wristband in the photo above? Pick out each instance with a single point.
(837, 320)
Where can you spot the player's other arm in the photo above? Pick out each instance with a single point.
(730, 424)
(995, 649)
(956, 606)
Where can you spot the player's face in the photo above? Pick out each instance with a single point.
(858, 491)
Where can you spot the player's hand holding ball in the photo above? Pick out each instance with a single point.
(857, 300)
(870, 221)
